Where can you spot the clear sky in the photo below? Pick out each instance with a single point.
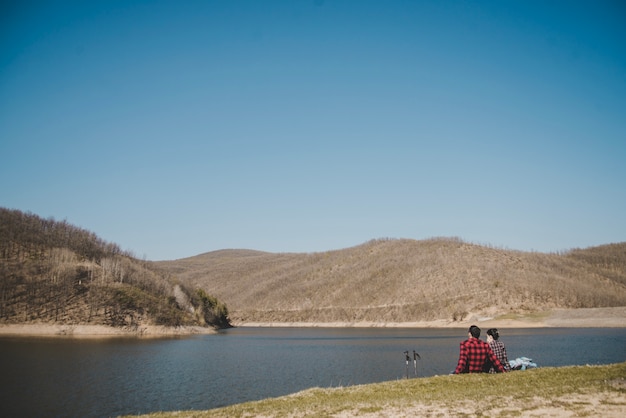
(174, 128)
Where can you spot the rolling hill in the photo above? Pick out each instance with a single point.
(403, 280)
(52, 272)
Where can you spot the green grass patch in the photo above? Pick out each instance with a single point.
(457, 394)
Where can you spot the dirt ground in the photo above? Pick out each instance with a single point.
(592, 317)
(96, 331)
(606, 405)
(574, 318)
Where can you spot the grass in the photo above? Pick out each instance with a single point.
(578, 390)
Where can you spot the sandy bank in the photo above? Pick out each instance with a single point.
(97, 331)
(574, 318)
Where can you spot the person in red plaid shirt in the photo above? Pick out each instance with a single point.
(476, 356)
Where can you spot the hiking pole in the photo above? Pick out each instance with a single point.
(415, 357)
(406, 354)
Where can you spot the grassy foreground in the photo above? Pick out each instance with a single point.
(566, 391)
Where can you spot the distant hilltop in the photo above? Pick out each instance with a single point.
(389, 280)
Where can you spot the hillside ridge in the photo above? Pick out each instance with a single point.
(403, 280)
(57, 274)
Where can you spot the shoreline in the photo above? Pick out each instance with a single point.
(558, 318)
(98, 331)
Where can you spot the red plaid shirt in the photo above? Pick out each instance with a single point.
(476, 357)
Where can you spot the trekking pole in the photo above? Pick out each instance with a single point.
(406, 354)
(415, 357)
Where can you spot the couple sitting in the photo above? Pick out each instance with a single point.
(477, 356)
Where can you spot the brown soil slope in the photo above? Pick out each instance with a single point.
(405, 281)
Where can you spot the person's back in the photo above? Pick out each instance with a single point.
(475, 355)
(498, 348)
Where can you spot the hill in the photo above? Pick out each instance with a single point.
(391, 280)
(55, 273)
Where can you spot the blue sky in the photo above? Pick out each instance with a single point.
(174, 128)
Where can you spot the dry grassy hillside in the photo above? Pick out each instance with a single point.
(55, 273)
(404, 281)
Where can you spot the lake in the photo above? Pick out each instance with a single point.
(57, 377)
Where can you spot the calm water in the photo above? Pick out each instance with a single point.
(63, 377)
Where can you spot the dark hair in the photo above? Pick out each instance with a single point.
(494, 333)
(475, 331)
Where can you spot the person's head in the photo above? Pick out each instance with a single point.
(493, 333)
(474, 331)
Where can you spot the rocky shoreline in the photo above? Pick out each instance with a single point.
(575, 318)
(98, 331)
